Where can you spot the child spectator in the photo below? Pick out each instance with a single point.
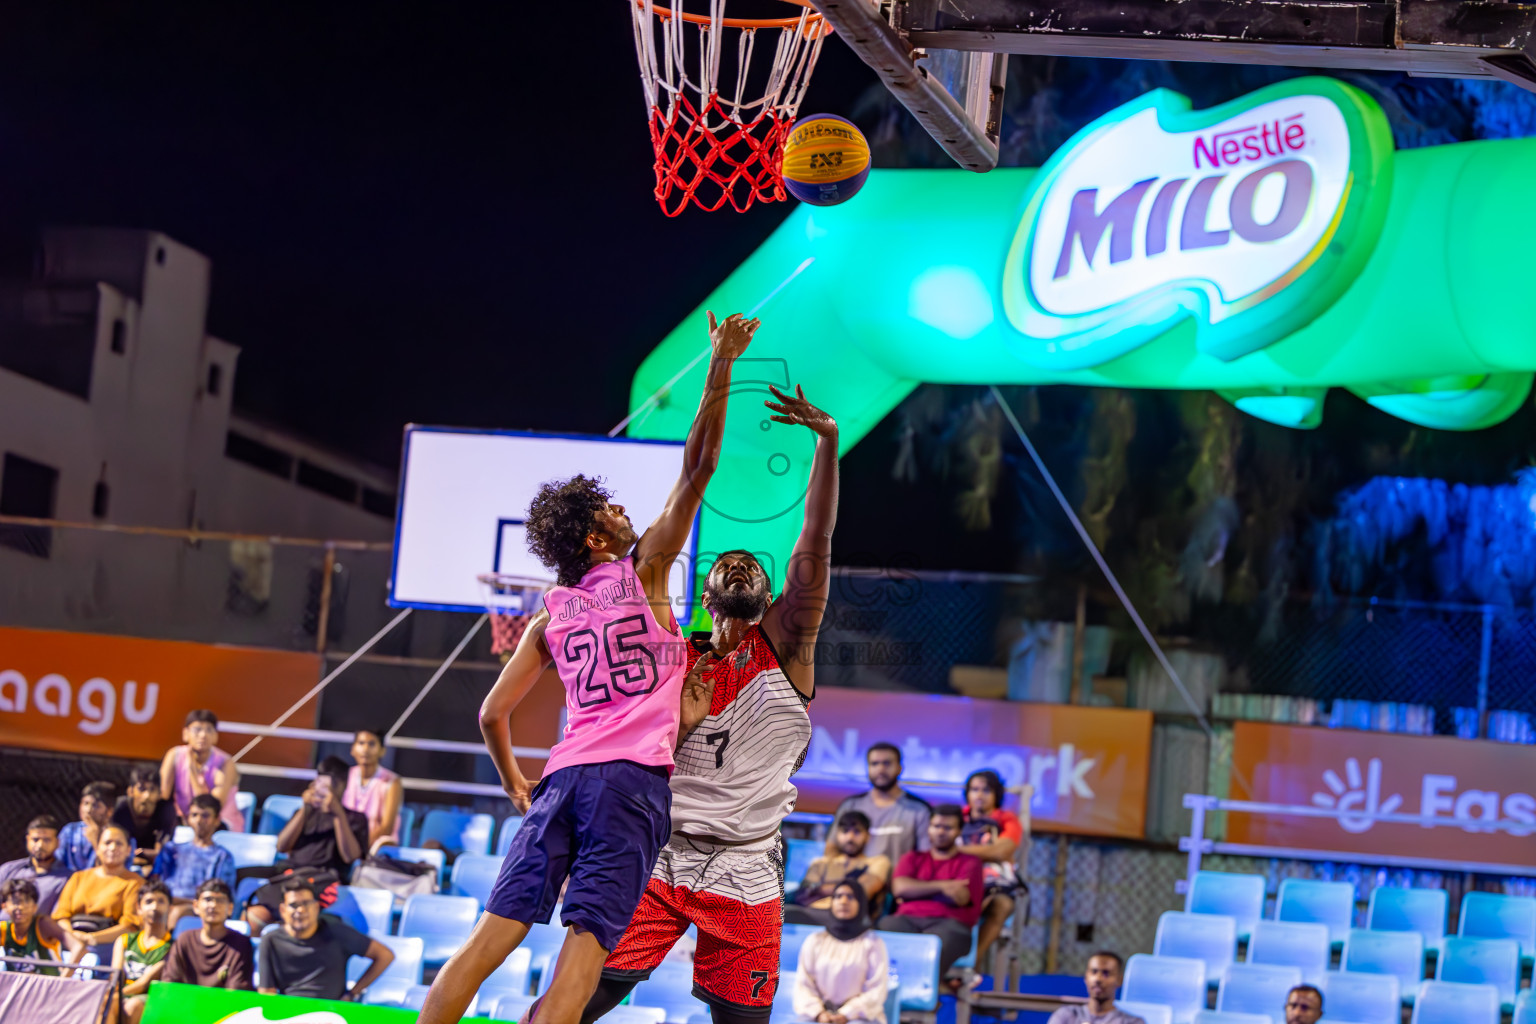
(307, 956)
(845, 860)
(186, 866)
(844, 971)
(993, 836)
(101, 903)
(938, 891)
(77, 840)
(148, 819)
(141, 955)
(321, 840)
(212, 956)
(373, 790)
(30, 933)
(199, 766)
(41, 866)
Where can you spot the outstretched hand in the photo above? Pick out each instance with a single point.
(698, 693)
(730, 339)
(798, 410)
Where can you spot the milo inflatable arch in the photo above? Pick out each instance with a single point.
(1268, 249)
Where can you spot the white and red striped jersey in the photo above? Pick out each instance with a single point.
(732, 777)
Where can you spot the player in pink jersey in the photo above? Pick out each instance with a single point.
(602, 811)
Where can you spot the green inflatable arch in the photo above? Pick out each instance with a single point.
(1268, 249)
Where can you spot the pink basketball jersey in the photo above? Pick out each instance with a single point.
(623, 673)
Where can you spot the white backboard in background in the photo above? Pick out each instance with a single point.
(464, 495)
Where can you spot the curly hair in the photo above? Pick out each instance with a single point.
(559, 519)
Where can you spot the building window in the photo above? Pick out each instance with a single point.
(215, 378)
(28, 489)
(119, 336)
(323, 480)
(263, 456)
(380, 503)
(101, 500)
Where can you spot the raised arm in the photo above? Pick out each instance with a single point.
(168, 774)
(659, 545)
(517, 677)
(794, 620)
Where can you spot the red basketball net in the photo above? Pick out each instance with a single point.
(715, 147)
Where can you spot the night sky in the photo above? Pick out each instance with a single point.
(437, 214)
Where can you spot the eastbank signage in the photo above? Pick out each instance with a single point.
(1250, 218)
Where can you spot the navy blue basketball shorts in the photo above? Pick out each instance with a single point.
(603, 825)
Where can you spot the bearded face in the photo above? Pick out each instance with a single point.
(737, 588)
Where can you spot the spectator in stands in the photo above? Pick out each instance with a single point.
(844, 971)
(993, 836)
(321, 840)
(140, 955)
(29, 932)
(199, 766)
(898, 821)
(373, 790)
(77, 840)
(41, 866)
(939, 890)
(149, 819)
(308, 955)
(1304, 1005)
(845, 860)
(101, 903)
(212, 956)
(186, 866)
(1103, 979)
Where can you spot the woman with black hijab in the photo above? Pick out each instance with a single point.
(844, 971)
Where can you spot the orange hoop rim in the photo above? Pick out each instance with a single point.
(815, 18)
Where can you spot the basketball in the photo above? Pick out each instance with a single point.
(826, 160)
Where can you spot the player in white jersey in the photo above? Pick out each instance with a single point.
(723, 868)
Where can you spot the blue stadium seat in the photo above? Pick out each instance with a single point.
(635, 1015)
(670, 987)
(1410, 910)
(276, 811)
(801, 853)
(1525, 1007)
(511, 978)
(1176, 982)
(1329, 903)
(1240, 897)
(243, 889)
(543, 944)
(789, 945)
(407, 825)
(250, 849)
(916, 960)
(1447, 1002)
(441, 922)
(504, 836)
(510, 1007)
(1399, 953)
(245, 803)
(1208, 937)
(1491, 915)
(474, 874)
(1471, 961)
(458, 831)
(1367, 998)
(1152, 1013)
(389, 988)
(377, 906)
(416, 997)
(1227, 1017)
(1257, 988)
(1287, 944)
(436, 858)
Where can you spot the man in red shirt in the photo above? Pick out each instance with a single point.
(938, 890)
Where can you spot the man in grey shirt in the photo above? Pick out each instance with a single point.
(1102, 979)
(898, 821)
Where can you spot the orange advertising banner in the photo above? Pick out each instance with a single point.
(121, 696)
(1088, 766)
(1456, 782)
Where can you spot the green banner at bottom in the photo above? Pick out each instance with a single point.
(189, 1004)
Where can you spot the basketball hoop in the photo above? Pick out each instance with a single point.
(511, 602)
(713, 149)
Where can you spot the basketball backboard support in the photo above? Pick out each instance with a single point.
(945, 60)
(464, 495)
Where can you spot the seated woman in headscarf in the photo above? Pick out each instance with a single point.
(844, 971)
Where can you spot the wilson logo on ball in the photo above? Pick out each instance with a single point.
(826, 160)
